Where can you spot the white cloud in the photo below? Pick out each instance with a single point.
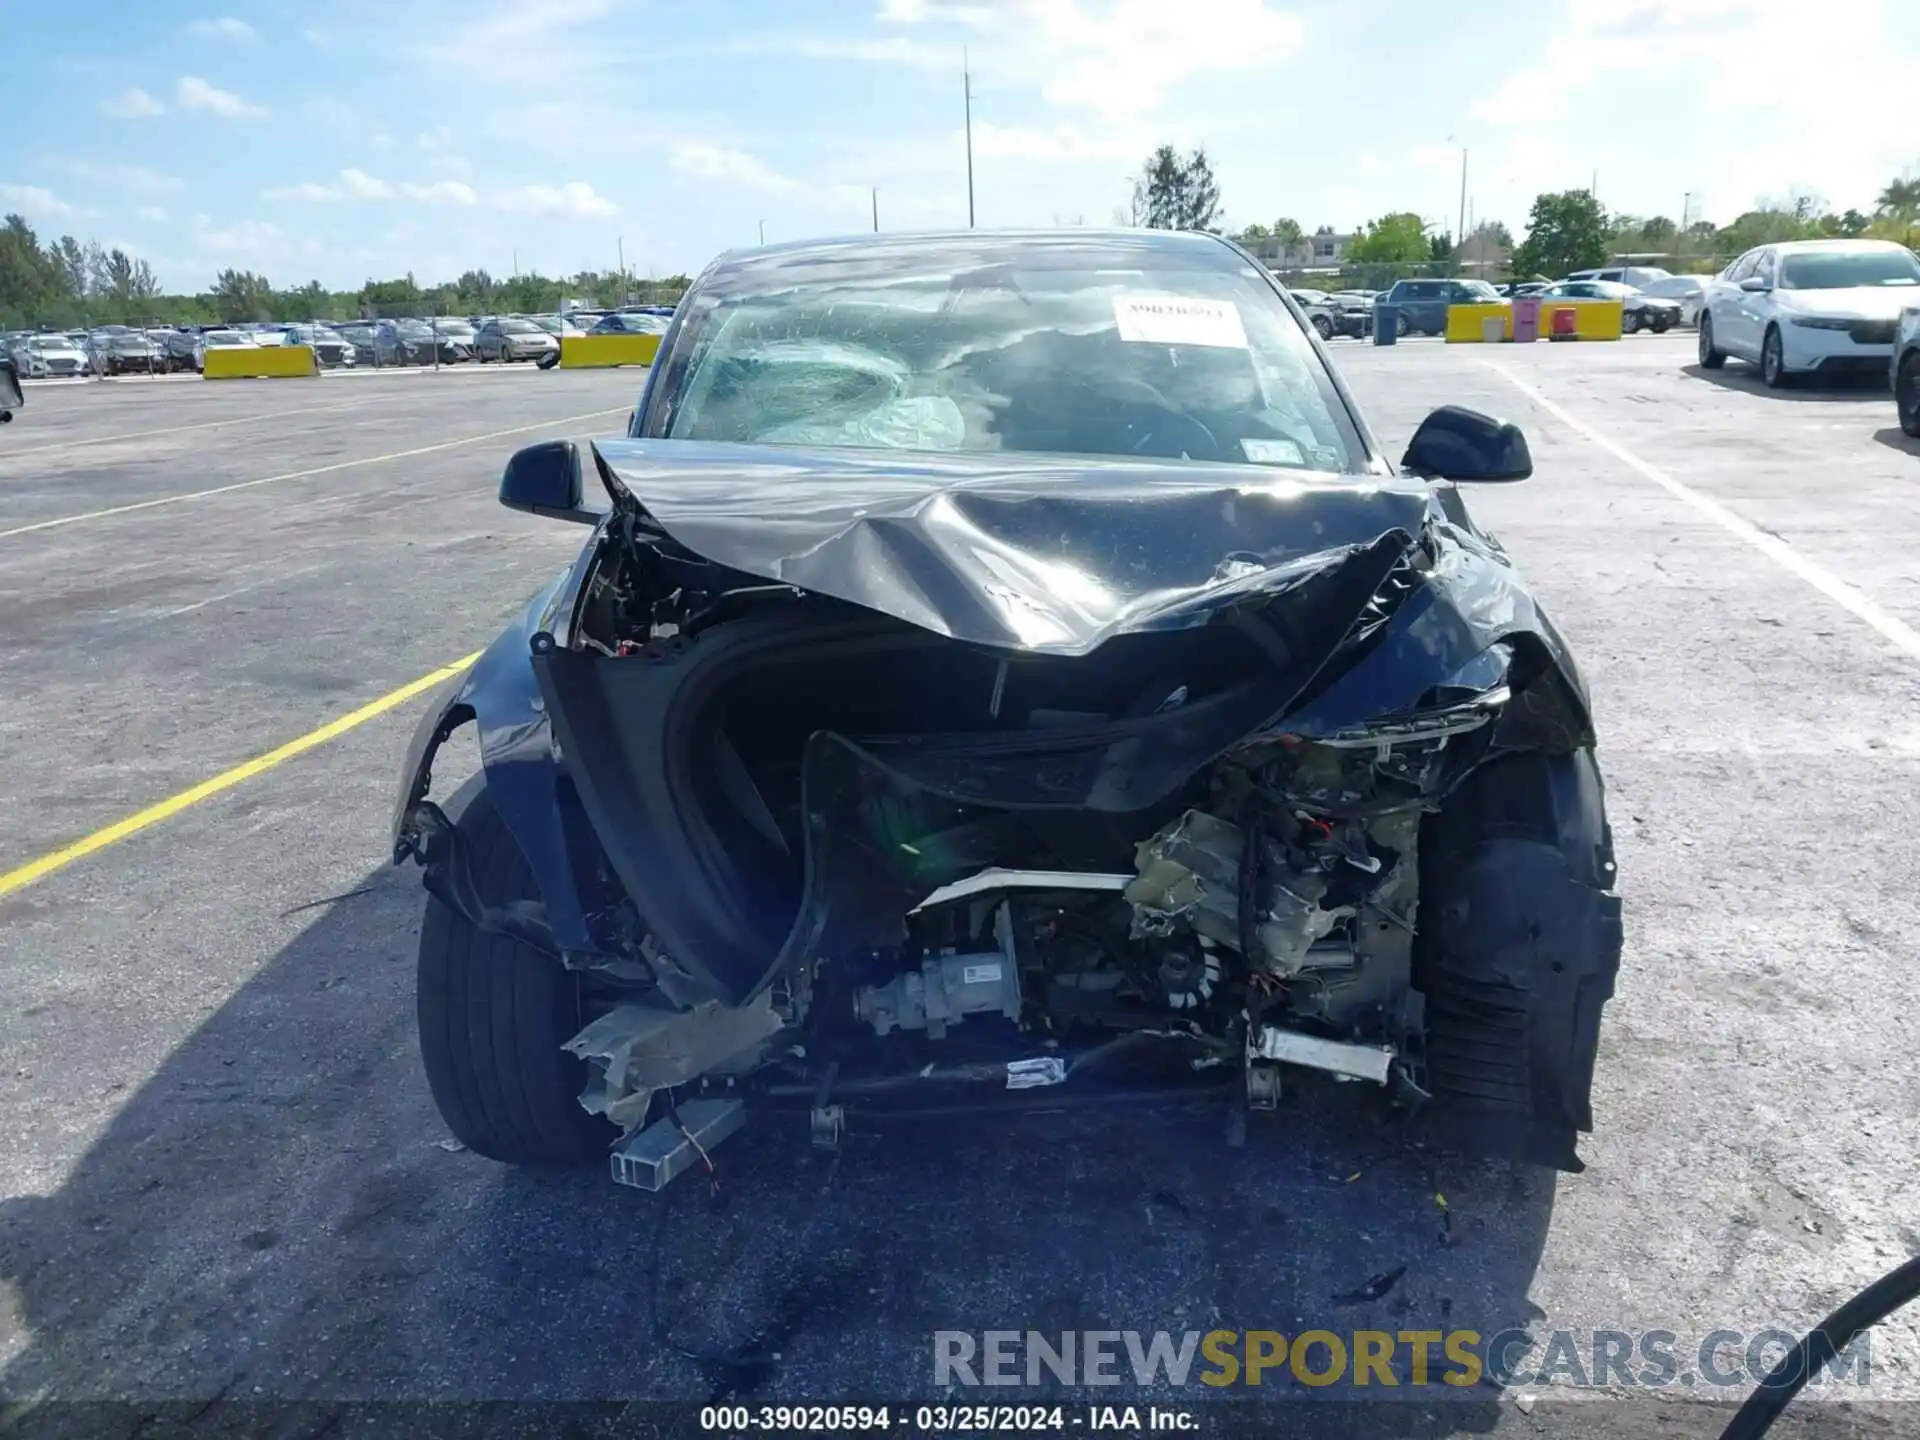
(132, 104)
(448, 192)
(1118, 58)
(351, 184)
(438, 138)
(1728, 67)
(575, 199)
(1060, 143)
(136, 178)
(242, 237)
(38, 202)
(720, 162)
(225, 28)
(151, 212)
(193, 93)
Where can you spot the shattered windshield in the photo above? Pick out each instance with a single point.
(1049, 353)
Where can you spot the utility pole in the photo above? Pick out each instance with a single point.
(763, 232)
(966, 85)
(625, 289)
(876, 210)
(1460, 231)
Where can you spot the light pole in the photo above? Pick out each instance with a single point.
(763, 232)
(966, 86)
(876, 210)
(1460, 230)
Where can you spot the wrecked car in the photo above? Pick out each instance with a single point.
(1008, 663)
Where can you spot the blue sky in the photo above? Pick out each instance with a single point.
(370, 137)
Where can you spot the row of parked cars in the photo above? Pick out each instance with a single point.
(121, 349)
(1651, 299)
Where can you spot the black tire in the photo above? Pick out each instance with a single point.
(1710, 357)
(493, 1014)
(1323, 327)
(1662, 323)
(1906, 395)
(1630, 322)
(1518, 945)
(1403, 325)
(1773, 360)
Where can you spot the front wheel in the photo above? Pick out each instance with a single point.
(1518, 944)
(1906, 395)
(1630, 322)
(1773, 360)
(1323, 327)
(1662, 324)
(493, 1014)
(1711, 357)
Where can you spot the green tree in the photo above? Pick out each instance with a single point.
(1399, 239)
(1565, 231)
(241, 295)
(1440, 247)
(28, 275)
(1254, 234)
(70, 263)
(1900, 200)
(1657, 232)
(1177, 194)
(1288, 233)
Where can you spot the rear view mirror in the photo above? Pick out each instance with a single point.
(544, 479)
(1463, 445)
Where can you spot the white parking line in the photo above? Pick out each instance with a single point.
(61, 520)
(1890, 628)
(168, 430)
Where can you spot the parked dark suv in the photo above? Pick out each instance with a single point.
(1423, 303)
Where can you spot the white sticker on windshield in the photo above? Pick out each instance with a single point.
(1179, 320)
(1271, 452)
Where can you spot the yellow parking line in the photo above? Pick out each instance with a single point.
(111, 510)
(171, 430)
(39, 869)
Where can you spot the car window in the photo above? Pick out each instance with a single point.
(1842, 269)
(1065, 355)
(1741, 268)
(1766, 266)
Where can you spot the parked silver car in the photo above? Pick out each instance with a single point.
(510, 338)
(333, 350)
(50, 357)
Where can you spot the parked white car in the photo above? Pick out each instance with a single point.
(1686, 289)
(1808, 306)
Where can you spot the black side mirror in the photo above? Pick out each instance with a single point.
(1461, 445)
(544, 479)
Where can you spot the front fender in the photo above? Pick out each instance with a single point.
(499, 696)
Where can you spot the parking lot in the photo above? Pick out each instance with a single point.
(222, 1175)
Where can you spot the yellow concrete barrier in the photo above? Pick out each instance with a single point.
(1466, 323)
(1592, 320)
(598, 352)
(259, 362)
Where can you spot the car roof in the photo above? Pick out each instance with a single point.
(968, 249)
(1794, 247)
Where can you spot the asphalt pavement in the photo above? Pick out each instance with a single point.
(221, 1174)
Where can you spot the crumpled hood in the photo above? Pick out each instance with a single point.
(1048, 554)
(1863, 302)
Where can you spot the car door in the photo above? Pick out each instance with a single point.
(1722, 301)
(1756, 306)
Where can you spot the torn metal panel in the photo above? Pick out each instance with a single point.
(634, 1050)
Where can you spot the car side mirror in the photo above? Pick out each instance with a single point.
(1754, 284)
(1462, 445)
(544, 479)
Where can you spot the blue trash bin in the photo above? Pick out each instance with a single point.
(1386, 324)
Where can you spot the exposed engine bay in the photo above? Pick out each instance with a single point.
(944, 816)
